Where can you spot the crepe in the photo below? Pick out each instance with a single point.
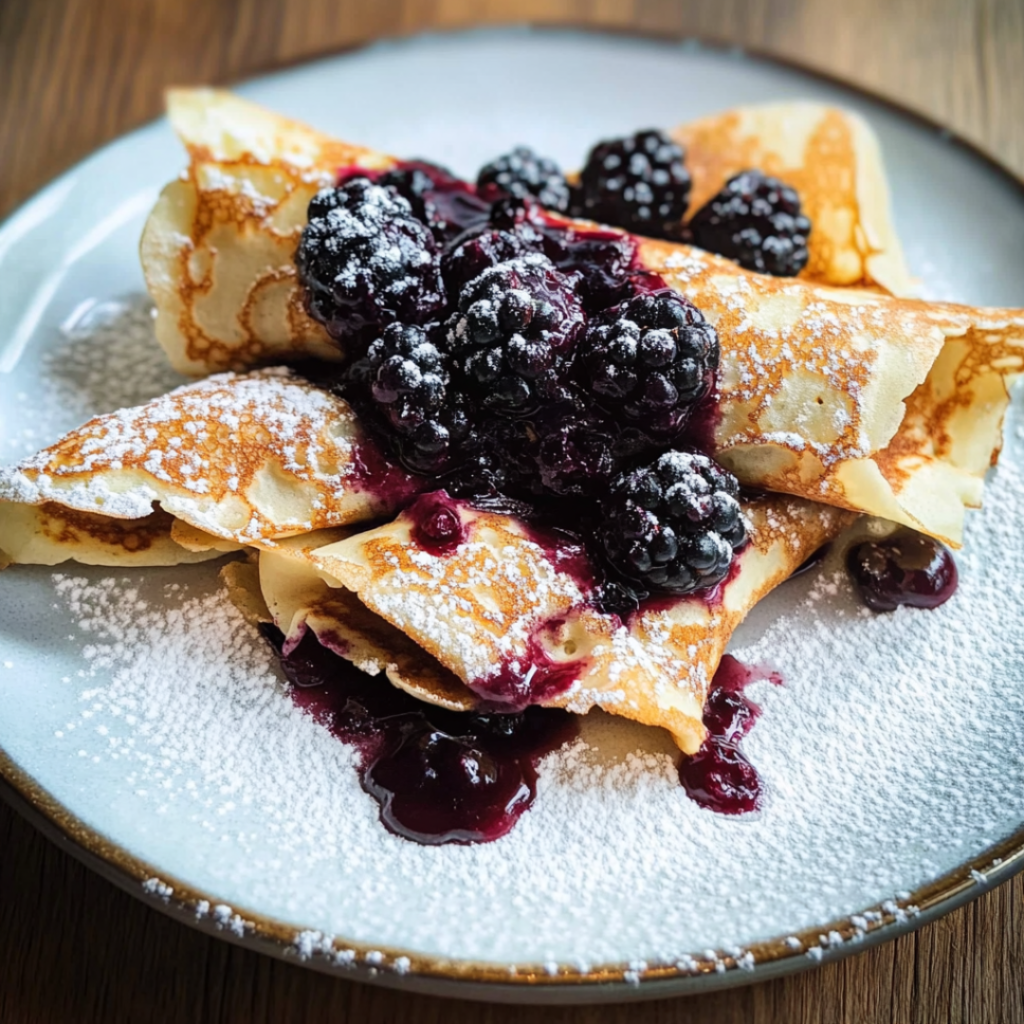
(229, 460)
(835, 395)
(444, 627)
(297, 599)
(217, 248)
(892, 407)
(49, 534)
(832, 158)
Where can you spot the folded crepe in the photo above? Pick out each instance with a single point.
(49, 534)
(297, 599)
(229, 460)
(878, 404)
(832, 158)
(504, 620)
(218, 248)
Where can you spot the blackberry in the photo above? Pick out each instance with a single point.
(650, 360)
(673, 525)
(523, 173)
(639, 183)
(366, 261)
(405, 380)
(513, 332)
(756, 221)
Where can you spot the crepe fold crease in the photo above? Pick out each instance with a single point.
(854, 398)
(442, 626)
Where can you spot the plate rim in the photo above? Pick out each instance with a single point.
(462, 978)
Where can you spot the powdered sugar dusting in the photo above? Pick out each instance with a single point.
(107, 358)
(242, 456)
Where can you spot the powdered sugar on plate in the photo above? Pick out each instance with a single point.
(886, 756)
(106, 358)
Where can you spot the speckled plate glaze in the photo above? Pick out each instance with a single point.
(170, 759)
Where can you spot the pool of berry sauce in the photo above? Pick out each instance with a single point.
(438, 776)
(719, 776)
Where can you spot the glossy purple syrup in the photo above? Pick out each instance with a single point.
(439, 776)
(566, 553)
(703, 422)
(529, 679)
(454, 204)
(907, 568)
(719, 776)
(436, 524)
(374, 473)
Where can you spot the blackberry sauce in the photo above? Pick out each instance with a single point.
(439, 776)
(374, 473)
(718, 776)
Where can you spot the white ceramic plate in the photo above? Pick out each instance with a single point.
(171, 756)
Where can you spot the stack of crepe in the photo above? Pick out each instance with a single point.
(839, 395)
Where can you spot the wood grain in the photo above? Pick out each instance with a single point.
(76, 73)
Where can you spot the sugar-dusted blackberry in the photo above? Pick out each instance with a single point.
(756, 221)
(366, 261)
(407, 382)
(650, 360)
(673, 525)
(639, 183)
(513, 333)
(523, 173)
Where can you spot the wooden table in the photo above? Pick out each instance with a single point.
(75, 73)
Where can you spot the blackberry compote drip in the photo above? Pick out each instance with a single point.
(718, 776)
(906, 568)
(439, 776)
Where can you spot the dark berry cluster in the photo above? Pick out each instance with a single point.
(366, 261)
(639, 182)
(514, 329)
(651, 360)
(513, 355)
(673, 524)
(756, 221)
